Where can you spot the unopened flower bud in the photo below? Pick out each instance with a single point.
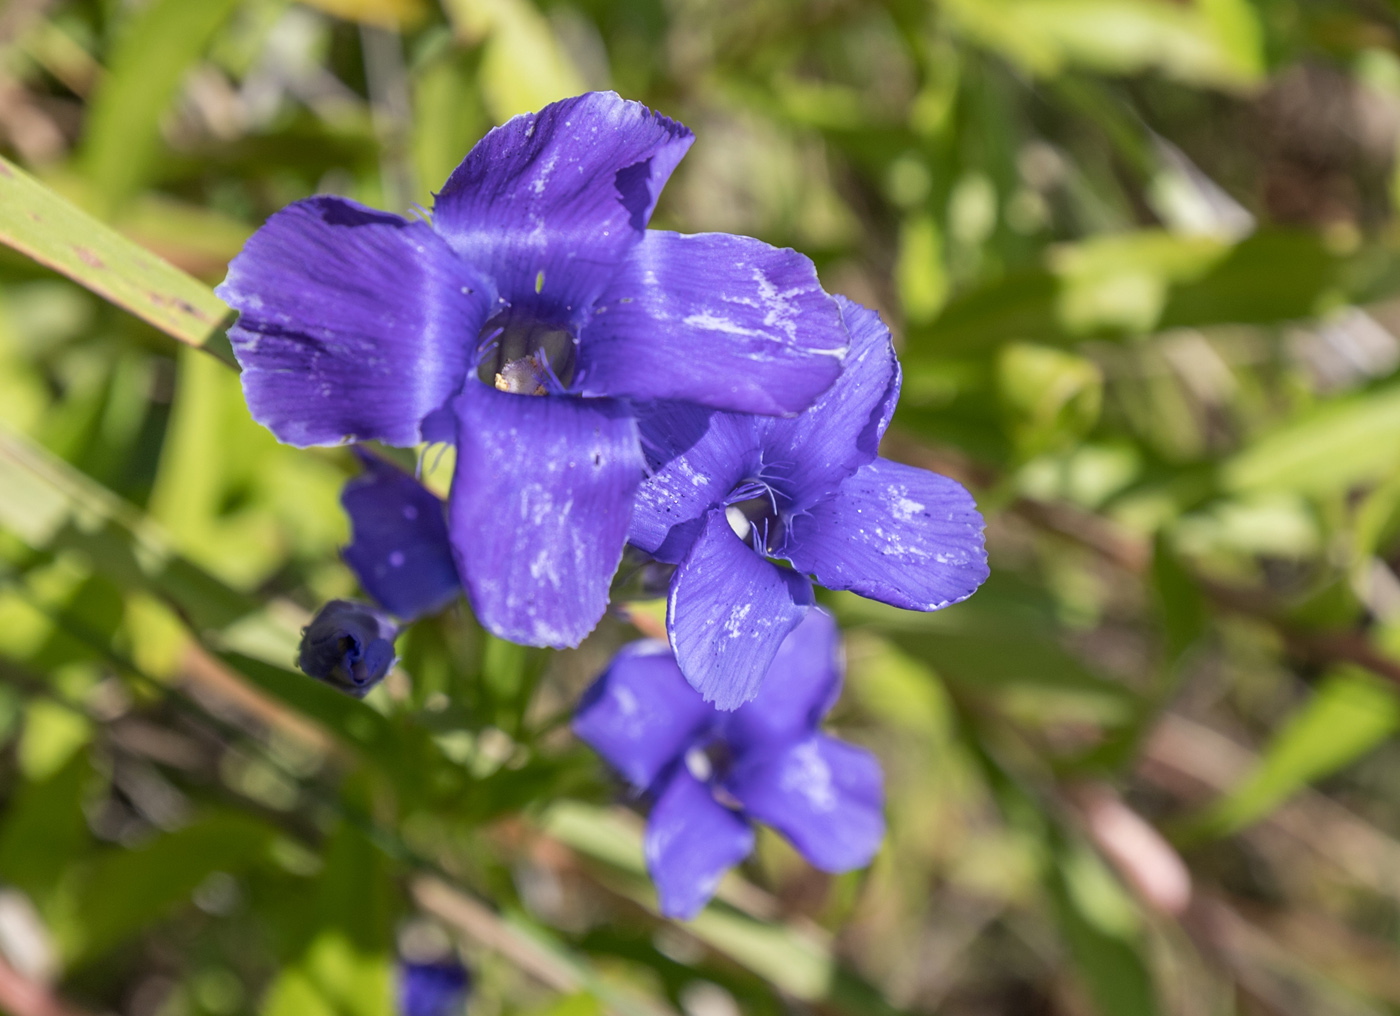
(349, 646)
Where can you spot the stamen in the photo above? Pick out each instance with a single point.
(738, 522)
(523, 355)
(752, 512)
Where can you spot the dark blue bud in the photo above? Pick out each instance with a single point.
(349, 646)
(433, 989)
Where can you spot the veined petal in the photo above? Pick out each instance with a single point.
(641, 715)
(894, 533)
(548, 203)
(695, 457)
(801, 686)
(824, 795)
(720, 320)
(539, 509)
(728, 613)
(353, 324)
(811, 453)
(400, 552)
(691, 841)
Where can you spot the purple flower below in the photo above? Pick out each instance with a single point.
(438, 988)
(711, 773)
(349, 646)
(536, 276)
(399, 550)
(730, 496)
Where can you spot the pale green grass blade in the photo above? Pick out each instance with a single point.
(38, 223)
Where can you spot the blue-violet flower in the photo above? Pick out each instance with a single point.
(399, 547)
(730, 495)
(536, 276)
(711, 773)
(437, 988)
(349, 646)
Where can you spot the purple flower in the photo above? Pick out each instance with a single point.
(730, 495)
(349, 646)
(711, 773)
(399, 548)
(536, 276)
(438, 988)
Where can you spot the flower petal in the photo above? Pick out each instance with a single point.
(724, 321)
(801, 686)
(894, 533)
(352, 324)
(824, 795)
(695, 457)
(437, 988)
(549, 202)
(812, 453)
(400, 552)
(539, 509)
(640, 715)
(691, 841)
(728, 613)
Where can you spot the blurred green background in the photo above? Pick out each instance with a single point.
(1142, 259)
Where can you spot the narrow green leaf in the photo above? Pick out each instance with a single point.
(51, 506)
(1348, 715)
(155, 48)
(51, 230)
(1339, 445)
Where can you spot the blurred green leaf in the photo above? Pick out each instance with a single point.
(1349, 714)
(156, 46)
(1099, 926)
(53, 733)
(523, 67)
(125, 890)
(1214, 43)
(40, 224)
(333, 978)
(1338, 445)
(44, 831)
(53, 507)
(1274, 275)
(390, 14)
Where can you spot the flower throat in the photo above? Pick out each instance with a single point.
(521, 354)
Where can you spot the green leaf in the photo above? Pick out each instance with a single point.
(1183, 609)
(1099, 926)
(154, 49)
(346, 717)
(126, 890)
(45, 829)
(1004, 637)
(523, 67)
(53, 733)
(53, 507)
(333, 978)
(40, 224)
(1337, 446)
(1276, 275)
(1198, 43)
(1350, 713)
(1135, 283)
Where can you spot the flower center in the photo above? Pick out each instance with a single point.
(523, 355)
(752, 512)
